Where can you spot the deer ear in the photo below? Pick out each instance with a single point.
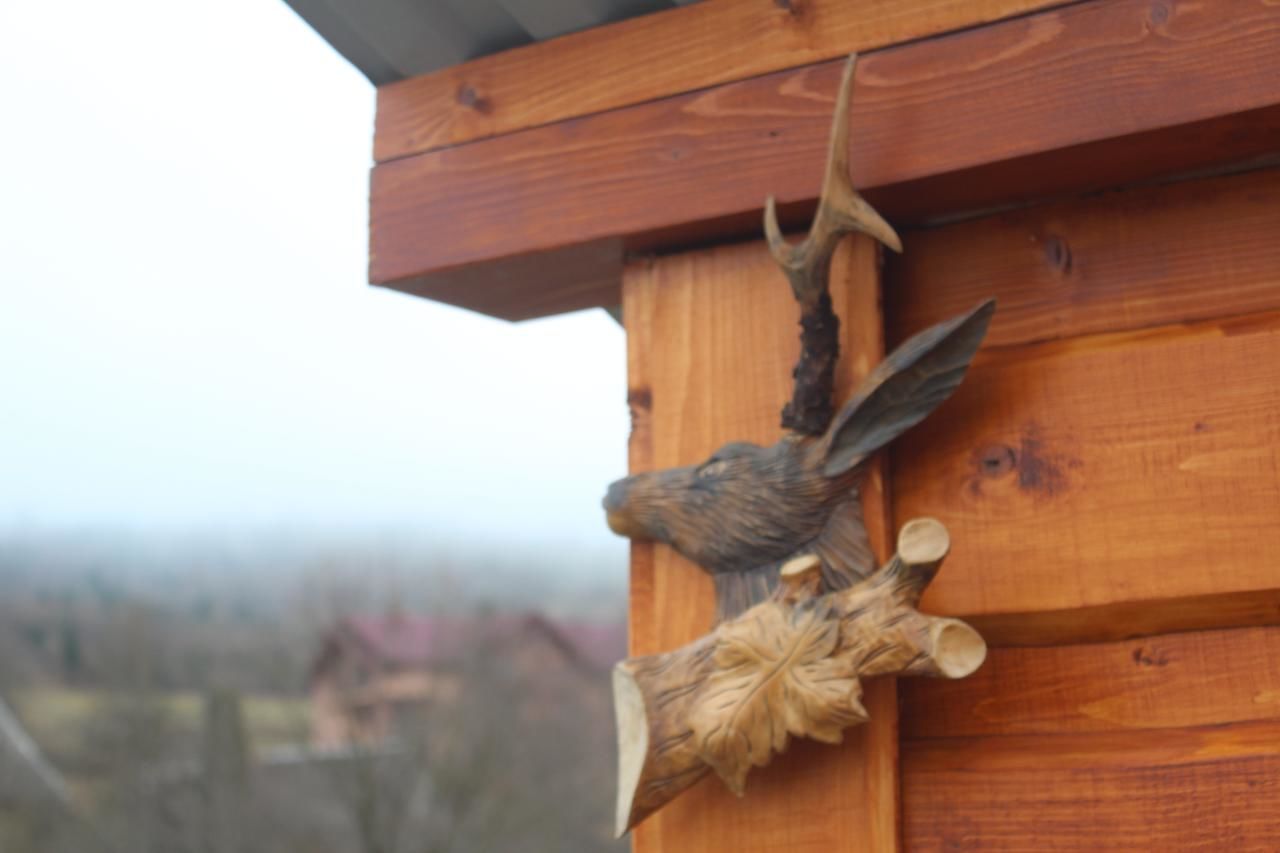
(904, 389)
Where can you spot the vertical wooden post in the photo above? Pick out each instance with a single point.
(712, 337)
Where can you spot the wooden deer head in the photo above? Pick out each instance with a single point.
(748, 509)
(801, 615)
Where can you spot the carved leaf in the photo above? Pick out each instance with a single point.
(775, 677)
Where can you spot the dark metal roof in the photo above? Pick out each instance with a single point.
(389, 40)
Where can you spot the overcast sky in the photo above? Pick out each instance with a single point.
(187, 338)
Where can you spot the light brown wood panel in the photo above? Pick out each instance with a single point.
(1122, 473)
(695, 166)
(1120, 260)
(1171, 681)
(712, 337)
(1207, 788)
(650, 57)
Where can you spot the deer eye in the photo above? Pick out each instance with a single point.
(714, 468)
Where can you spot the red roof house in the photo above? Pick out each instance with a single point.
(372, 669)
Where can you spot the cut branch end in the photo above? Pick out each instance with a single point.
(633, 742)
(801, 577)
(958, 650)
(923, 543)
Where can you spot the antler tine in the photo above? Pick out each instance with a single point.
(808, 267)
(841, 210)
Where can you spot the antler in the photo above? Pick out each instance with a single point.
(808, 267)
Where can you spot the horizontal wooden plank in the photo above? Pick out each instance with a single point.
(1177, 680)
(650, 57)
(1122, 473)
(1122, 260)
(538, 285)
(1210, 788)
(698, 166)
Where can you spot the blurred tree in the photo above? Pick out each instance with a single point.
(512, 754)
(72, 662)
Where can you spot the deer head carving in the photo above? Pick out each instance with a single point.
(748, 509)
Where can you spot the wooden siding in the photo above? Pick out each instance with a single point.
(1110, 470)
(1114, 262)
(651, 57)
(1062, 100)
(1130, 393)
(1164, 743)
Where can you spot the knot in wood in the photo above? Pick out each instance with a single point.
(1057, 253)
(996, 460)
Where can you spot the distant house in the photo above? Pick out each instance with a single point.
(371, 670)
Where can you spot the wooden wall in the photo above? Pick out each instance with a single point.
(1161, 743)
(1110, 469)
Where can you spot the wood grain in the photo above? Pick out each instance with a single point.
(696, 166)
(1222, 143)
(650, 57)
(710, 344)
(1172, 681)
(1118, 261)
(1120, 472)
(1207, 788)
(1164, 743)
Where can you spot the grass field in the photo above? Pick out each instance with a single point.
(58, 718)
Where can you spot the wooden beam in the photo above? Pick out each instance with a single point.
(1208, 788)
(709, 358)
(1120, 261)
(977, 117)
(1178, 680)
(651, 57)
(1097, 486)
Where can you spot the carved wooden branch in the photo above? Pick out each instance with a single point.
(788, 667)
(841, 211)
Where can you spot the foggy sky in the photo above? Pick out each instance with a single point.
(187, 338)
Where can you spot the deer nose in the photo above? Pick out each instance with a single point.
(616, 497)
(618, 514)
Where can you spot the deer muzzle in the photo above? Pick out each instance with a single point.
(615, 509)
(632, 504)
(619, 512)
